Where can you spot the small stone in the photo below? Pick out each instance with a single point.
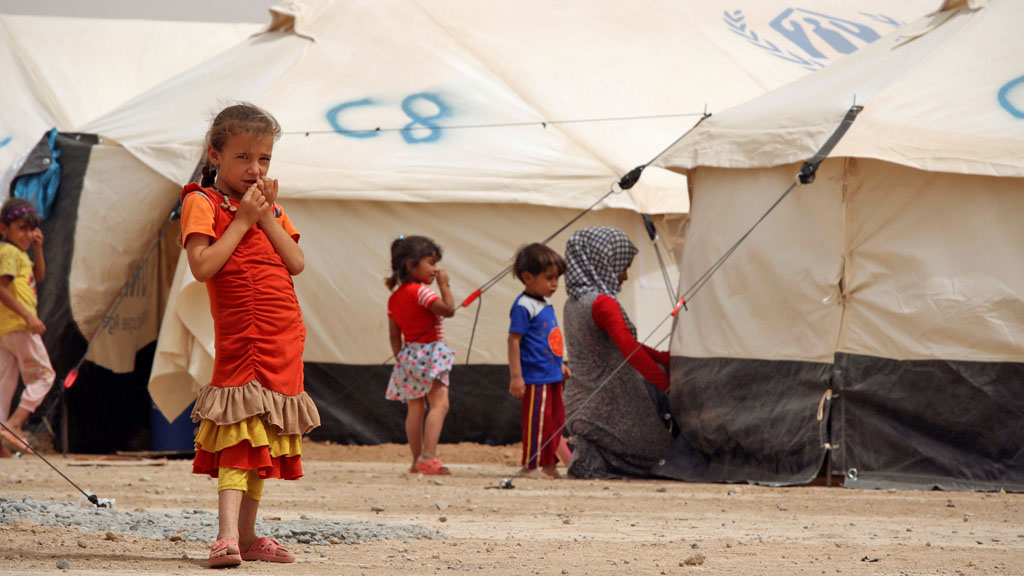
(442, 505)
(376, 509)
(438, 483)
(567, 521)
(63, 564)
(950, 504)
(661, 489)
(14, 479)
(82, 544)
(113, 537)
(442, 519)
(696, 559)
(176, 538)
(783, 508)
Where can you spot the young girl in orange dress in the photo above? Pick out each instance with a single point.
(254, 412)
(422, 358)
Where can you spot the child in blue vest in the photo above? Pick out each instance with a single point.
(535, 364)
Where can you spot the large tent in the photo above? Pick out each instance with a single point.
(64, 72)
(874, 319)
(483, 126)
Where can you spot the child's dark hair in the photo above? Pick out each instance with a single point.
(536, 258)
(15, 209)
(406, 252)
(241, 118)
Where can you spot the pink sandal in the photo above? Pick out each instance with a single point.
(230, 556)
(432, 466)
(266, 549)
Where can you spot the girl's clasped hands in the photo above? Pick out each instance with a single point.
(258, 201)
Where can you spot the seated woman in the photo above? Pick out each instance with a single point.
(616, 418)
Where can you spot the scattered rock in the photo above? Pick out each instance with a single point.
(661, 489)
(63, 564)
(82, 544)
(696, 559)
(442, 505)
(113, 537)
(377, 509)
(442, 519)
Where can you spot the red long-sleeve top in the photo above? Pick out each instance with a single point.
(652, 364)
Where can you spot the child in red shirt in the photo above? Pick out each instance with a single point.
(423, 359)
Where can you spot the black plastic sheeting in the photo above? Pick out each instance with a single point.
(746, 421)
(353, 409)
(917, 424)
(929, 424)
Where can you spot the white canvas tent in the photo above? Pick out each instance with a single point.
(875, 316)
(64, 72)
(442, 117)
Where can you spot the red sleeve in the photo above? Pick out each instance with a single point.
(608, 317)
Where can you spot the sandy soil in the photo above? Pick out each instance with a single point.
(539, 527)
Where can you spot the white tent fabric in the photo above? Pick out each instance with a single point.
(65, 72)
(449, 118)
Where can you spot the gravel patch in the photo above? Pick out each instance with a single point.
(200, 525)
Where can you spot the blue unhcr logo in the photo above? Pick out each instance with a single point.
(810, 39)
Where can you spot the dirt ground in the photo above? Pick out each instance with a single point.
(539, 527)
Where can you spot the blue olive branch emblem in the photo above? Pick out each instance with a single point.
(737, 25)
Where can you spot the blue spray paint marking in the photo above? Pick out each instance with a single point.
(425, 121)
(332, 117)
(5, 142)
(1004, 99)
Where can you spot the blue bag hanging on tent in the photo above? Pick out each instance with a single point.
(39, 177)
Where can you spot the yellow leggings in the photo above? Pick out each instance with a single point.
(247, 481)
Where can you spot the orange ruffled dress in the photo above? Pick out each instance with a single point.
(253, 414)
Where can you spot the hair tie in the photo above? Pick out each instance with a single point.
(18, 214)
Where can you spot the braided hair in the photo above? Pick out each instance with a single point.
(406, 252)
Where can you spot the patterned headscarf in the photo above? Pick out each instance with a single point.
(594, 259)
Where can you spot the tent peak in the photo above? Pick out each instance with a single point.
(295, 16)
(960, 4)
